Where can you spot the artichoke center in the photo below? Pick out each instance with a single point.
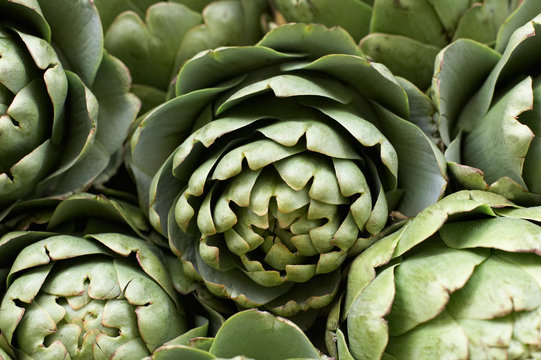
(79, 307)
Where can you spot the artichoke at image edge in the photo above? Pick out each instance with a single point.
(489, 116)
(65, 110)
(155, 38)
(461, 280)
(276, 162)
(74, 289)
(406, 35)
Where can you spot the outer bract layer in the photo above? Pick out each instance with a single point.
(492, 121)
(249, 334)
(460, 281)
(407, 35)
(275, 162)
(64, 106)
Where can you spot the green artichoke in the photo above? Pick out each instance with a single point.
(459, 281)
(155, 38)
(276, 162)
(76, 290)
(407, 35)
(65, 110)
(489, 114)
(248, 334)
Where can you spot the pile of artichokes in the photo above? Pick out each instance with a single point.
(270, 179)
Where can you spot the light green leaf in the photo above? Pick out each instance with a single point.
(404, 56)
(78, 51)
(238, 334)
(459, 70)
(416, 19)
(148, 47)
(499, 144)
(368, 331)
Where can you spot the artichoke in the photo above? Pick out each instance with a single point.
(249, 334)
(491, 121)
(154, 38)
(76, 290)
(64, 104)
(276, 162)
(407, 35)
(459, 281)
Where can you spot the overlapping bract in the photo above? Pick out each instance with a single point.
(491, 121)
(275, 162)
(407, 35)
(351, 15)
(460, 280)
(237, 339)
(65, 110)
(155, 38)
(75, 290)
(275, 173)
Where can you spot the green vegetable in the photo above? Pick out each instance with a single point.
(461, 280)
(74, 289)
(276, 162)
(248, 334)
(489, 114)
(65, 110)
(156, 42)
(406, 35)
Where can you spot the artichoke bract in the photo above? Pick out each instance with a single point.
(275, 162)
(352, 15)
(109, 10)
(249, 334)
(64, 104)
(491, 122)
(74, 290)
(460, 281)
(155, 43)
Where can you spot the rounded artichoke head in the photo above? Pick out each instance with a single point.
(461, 281)
(56, 86)
(492, 122)
(275, 162)
(107, 295)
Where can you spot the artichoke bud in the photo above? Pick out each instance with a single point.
(458, 280)
(279, 164)
(60, 95)
(81, 282)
